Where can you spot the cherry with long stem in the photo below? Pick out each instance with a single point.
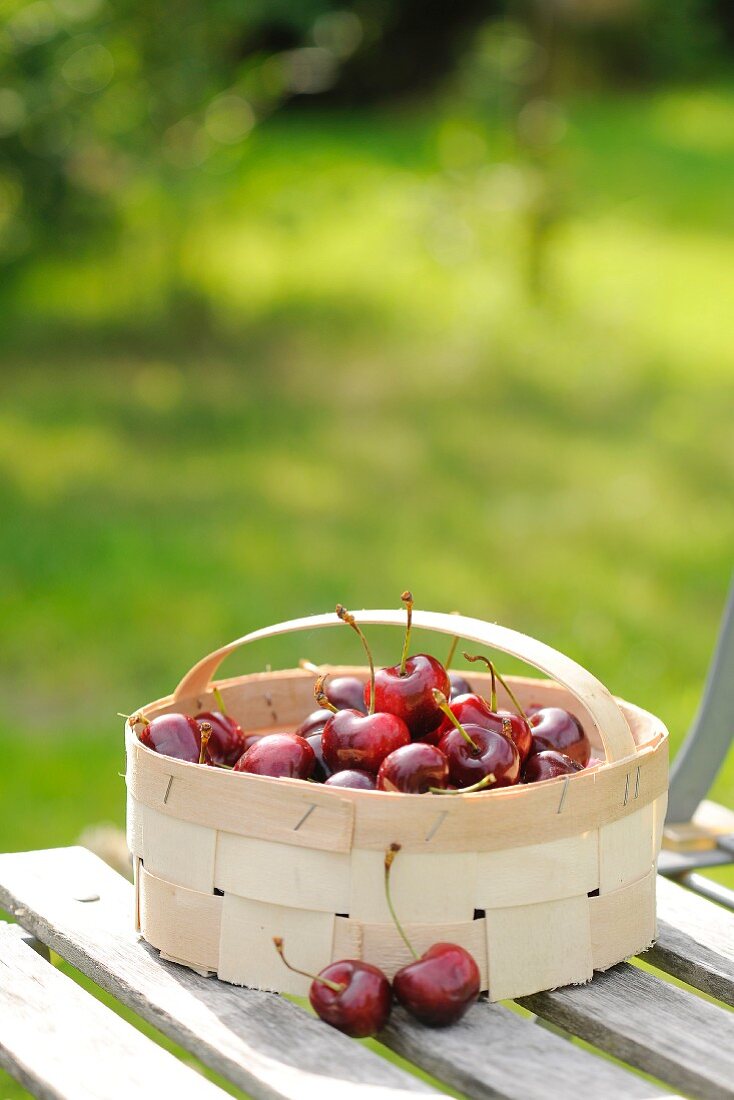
(498, 675)
(349, 619)
(335, 987)
(438, 986)
(443, 704)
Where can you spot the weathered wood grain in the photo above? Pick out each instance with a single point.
(695, 941)
(62, 1044)
(664, 1030)
(495, 1052)
(262, 1043)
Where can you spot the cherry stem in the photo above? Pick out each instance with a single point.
(220, 701)
(389, 859)
(407, 598)
(348, 618)
(206, 732)
(320, 695)
(442, 703)
(336, 987)
(483, 782)
(502, 680)
(452, 647)
(135, 719)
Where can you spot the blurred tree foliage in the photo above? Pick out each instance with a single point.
(103, 105)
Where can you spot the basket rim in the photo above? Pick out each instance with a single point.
(658, 738)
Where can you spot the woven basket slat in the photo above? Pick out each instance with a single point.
(623, 922)
(538, 872)
(302, 878)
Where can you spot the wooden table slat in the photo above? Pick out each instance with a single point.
(496, 1052)
(695, 941)
(663, 1030)
(62, 1044)
(262, 1043)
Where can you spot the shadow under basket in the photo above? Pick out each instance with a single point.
(543, 883)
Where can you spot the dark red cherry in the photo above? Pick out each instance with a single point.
(313, 723)
(176, 735)
(410, 697)
(557, 729)
(459, 685)
(549, 764)
(346, 693)
(227, 740)
(362, 741)
(413, 769)
(440, 986)
(352, 777)
(281, 755)
(352, 996)
(321, 771)
(491, 753)
(474, 708)
(252, 739)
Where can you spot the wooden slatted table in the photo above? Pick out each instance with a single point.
(62, 1043)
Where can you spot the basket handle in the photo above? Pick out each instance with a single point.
(597, 701)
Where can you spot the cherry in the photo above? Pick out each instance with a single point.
(549, 764)
(345, 692)
(440, 985)
(475, 751)
(176, 735)
(352, 996)
(557, 729)
(352, 777)
(413, 769)
(282, 755)
(227, 741)
(459, 685)
(313, 723)
(321, 771)
(407, 689)
(354, 740)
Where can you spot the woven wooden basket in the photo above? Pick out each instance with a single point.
(543, 883)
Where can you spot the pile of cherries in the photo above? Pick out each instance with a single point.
(436, 988)
(413, 728)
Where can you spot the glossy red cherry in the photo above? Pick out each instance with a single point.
(440, 985)
(347, 692)
(459, 685)
(549, 764)
(413, 769)
(175, 735)
(227, 740)
(281, 755)
(473, 709)
(557, 729)
(352, 777)
(488, 753)
(321, 770)
(352, 996)
(362, 741)
(407, 689)
(313, 723)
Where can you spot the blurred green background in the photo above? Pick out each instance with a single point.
(305, 302)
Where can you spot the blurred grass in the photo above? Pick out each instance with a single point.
(359, 396)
